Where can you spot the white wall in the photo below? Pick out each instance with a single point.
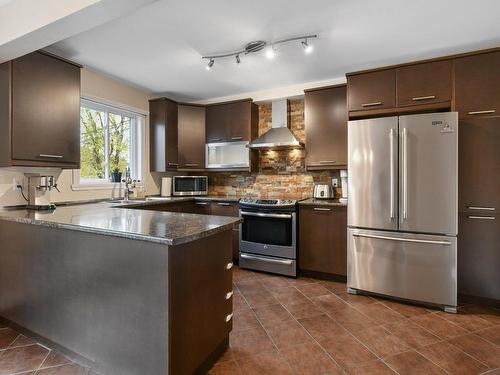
(96, 86)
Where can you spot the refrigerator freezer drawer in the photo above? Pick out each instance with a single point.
(411, 266)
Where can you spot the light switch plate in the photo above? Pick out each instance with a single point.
(335, 182)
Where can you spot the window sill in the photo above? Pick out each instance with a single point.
(97, 186)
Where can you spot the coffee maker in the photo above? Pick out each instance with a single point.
(38, 187)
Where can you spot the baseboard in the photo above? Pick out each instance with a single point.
(323, 276)
(489, 302)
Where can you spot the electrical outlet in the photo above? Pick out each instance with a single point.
(15, 184)
(335, 182)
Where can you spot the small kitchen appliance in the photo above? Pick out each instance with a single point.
(38, 188)
(190, 185)
(268, 235)
(323, 191)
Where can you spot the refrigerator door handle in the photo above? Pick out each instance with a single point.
(391, 138)
(402, 239)
(405, 173)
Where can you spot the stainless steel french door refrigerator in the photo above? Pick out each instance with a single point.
(403, 207)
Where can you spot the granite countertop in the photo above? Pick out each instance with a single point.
(322, 202)
(109, 218)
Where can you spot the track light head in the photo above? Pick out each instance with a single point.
(270, 52)
(307, 47)
(238, 60)
(210, 64)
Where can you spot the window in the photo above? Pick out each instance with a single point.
(110, 141)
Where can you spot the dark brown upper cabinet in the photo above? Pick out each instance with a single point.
(163, 135)
(326, 127)
(232, 121)
(371, 90)
(323, 239)
(191, 137)
(424, 83)
(40, 112)
(477, 82)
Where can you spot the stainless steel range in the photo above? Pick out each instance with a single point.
(268, 235)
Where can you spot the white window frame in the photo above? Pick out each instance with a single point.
(137, 143)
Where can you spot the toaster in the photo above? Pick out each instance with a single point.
(323, 191)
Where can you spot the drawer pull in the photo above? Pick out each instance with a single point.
(481, 208)
(373, 104)
(51, 156)
(481, 112)
(191, 164)
(229, 317)
(173, 164)
(236, 138)
(229, 294)
(481, 217)
(223, 204)
(417, 98)
(229, 265)
(216, 139)
(202, 203)
(322, 209)
(327, 161)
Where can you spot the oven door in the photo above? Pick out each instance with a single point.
(271, 234)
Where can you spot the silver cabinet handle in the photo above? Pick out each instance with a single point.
(229, 265)
(417, 98)
(266, 260)
(405, 174)
(229, 317)
(481, 208)
(391, 160)
(322, 209)
(202, 203)
(400, 239)
(216, 139)
(261, 214)
(223, 204)
(50, 156)
(373, 104)
(229, 294)
(191, 164)
(481, 217)
(481, 112)
(173, 164)
(236, 138)
(327, 161)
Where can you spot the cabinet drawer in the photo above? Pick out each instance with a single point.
(370, 91)
(224, 209)
(424, 83)
(323, 239)
(477, 79)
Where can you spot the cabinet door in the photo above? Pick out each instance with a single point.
(323, 239)
(372, 90)
(163, 135)
(479, 164)
(479, 255)
(45, 109)
(238, 121)
(477, 79)
(216, 123)
(326, 127)
(191, 127)
(424, 83)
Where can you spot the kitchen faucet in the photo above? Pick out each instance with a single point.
(128, 183)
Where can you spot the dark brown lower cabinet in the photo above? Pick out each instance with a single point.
(229, 209)
(323, 239)
(479, 255)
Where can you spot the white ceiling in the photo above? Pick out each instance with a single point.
(159, 47)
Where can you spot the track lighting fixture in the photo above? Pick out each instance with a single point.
(259, 45)
(210, 64)
(307, 47)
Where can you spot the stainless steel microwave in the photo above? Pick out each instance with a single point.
(190, 185)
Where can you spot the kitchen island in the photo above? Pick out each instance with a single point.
(126, 290)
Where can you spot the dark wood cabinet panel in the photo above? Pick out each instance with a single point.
(372, 90)
(477, 79)
(41, 125)
(163, 135)
(228, 209)
(479, 163)
(191, 137)
(424, 83)
(326, 127)
(323, 239)
(231, 122)
(479, 255)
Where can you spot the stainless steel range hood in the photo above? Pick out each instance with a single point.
(279, 136)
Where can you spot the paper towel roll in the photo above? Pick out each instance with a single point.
(166, 186)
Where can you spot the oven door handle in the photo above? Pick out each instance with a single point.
(267, 260)
(261, 214)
